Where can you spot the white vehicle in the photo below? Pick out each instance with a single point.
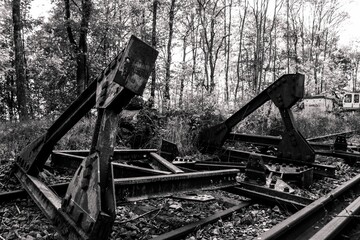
(351, 101)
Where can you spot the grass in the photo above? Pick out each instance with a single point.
(178, 127)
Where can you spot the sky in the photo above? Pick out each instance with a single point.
(349, 32)
(40, 8)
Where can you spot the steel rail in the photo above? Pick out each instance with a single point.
(183, 231)
(143, 187)
(324, 137)
(266, 140)
(230, 155)
(138, 188)
(50, 204)
(300, 224)
(335, 226)
(59, 189)
(268, 195)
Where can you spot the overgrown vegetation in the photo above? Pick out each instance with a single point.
(145, 128)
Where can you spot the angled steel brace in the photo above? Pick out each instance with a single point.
(88, 209)
(284, 92)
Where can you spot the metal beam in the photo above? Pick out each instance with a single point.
(259, 193)
(133, 189)
(229, 155)
(50, 204)
(183, 231)
(126, 170)
(163, 164)
(73, 158)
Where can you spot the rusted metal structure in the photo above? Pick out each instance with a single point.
(84, 208)
(87, 211)
(284, 93)
(295, 155)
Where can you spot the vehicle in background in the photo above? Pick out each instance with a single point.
(351, 101)
(340, 102)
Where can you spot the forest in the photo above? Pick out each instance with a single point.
(212, 53)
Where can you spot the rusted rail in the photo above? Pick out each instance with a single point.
(305, 223)
(269, 196)
(339, 222)
(325, 149)
(183, 231)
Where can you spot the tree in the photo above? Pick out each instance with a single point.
(211, 42)
(242, 17)
(168, 57)
(20, 71)
(153, 43)
(227, 30)
(80, 48)
(259, 11)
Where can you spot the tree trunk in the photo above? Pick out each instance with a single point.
(80, 48)
(227, 52)
(168, 58)
(239, 59)
(287, 36)
(153, 43)
(182, 78)
(194, 46)
(20, 71)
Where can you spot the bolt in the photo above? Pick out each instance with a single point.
(272, 185)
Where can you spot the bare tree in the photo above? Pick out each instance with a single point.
(259, 11)
(227, 30)
(20, 71)
(80, 48)
(242, 17)
(211, 42)
(168, 58)
(153, 43)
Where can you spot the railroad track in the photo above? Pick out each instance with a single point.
(86, 207)
(325, 218)
(314, 219)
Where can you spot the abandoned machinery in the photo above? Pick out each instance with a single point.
(105, 175)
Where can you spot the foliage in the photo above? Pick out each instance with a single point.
(15, 136)
(270, 45)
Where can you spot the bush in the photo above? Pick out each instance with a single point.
(15, 136)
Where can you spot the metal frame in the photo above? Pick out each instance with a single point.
(87, 211)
